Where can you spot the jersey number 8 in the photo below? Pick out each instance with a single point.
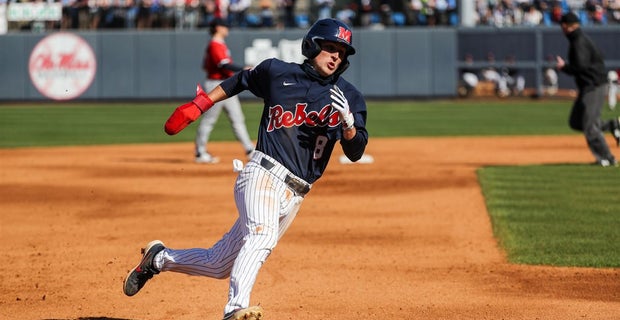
(319, 147)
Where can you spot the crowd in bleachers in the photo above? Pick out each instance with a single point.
(502, 13)
(194, 14)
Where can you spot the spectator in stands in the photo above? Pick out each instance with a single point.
(194, 17)
(190, 14)
(613, 11)
(206, 12)
(220, 9)
(483, 12)
(365, 10)
(67, 14)
(266, 13)
(156, 10)
(413, 9)
(504, 14)
(144, 19)
(80, 15)
(348, 14)
(556, 11)
(131, 13)
(237, 13)
(385, 12)
(594, 9)
(574, 6)
(103, 17)
(532, 16)
(187, 14)
(166, 13)
(441, 12)
(324, 8)
(428, 12)
(287, 16)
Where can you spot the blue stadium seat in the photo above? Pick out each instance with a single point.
(454, 19)
(302, 20)
(422, 19)
(398, 18)
(375, 18)
(252, 20)
(547, 18)
(583, 18)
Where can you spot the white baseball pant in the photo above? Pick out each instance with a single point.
(267, 206)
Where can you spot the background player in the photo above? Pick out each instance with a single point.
(218, 64)
(612, 78)
(586, 65)
(307, 109)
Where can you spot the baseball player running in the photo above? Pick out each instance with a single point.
(308, 107)
(218, 65)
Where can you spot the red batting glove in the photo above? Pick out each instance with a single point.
(188, 113)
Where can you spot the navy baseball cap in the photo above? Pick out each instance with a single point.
(569, 18)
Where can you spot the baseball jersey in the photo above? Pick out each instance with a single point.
(299, 127)
(217, 55)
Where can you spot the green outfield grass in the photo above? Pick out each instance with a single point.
(564, 215)
(53, 124)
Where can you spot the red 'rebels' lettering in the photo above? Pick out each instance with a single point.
(279, 118)
(344, 34)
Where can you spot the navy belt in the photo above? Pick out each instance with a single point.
(296, 184)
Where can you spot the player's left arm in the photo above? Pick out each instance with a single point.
(352, 109)
(354, 140)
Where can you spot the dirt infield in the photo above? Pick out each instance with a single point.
(407, 237)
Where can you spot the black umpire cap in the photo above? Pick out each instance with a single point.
(569, 18)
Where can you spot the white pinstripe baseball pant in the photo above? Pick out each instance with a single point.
(267, 207)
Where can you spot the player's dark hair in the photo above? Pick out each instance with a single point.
(216, 22)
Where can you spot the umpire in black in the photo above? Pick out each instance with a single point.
(585, 63)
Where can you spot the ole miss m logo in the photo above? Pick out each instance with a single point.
(344, 34)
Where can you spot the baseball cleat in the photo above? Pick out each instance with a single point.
(207, 158)
(138, 276)
(251, 313)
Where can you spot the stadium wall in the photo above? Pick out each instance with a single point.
(394, 63)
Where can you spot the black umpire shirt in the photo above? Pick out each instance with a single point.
(585, 61)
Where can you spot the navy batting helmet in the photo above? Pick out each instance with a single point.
(328, 30)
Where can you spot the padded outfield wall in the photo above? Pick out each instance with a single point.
(393, 63)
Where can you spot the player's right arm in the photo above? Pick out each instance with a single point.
(353, 119)
(244, 80)
(189, 112)
(256, 80)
